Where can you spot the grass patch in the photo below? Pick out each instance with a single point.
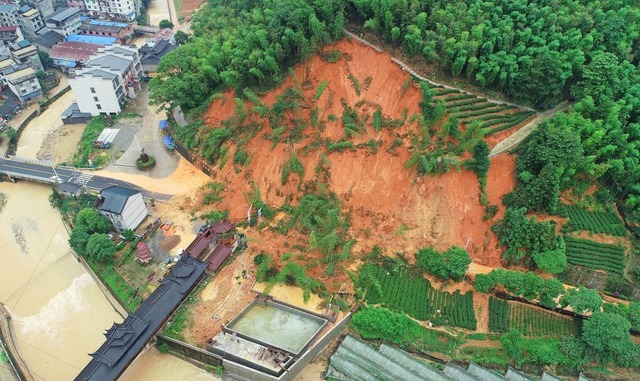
(85, 147)
(179, 8)
(122, 290)
(182, 317)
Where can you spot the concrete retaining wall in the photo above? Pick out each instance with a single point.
(7, 338)
(189, 351)
(237, 372)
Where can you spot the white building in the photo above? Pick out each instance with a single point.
(21, 80)
(107, 79)
(125, 208)
(65, 21)
(107, 9)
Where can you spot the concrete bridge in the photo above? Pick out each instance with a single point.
(51, 173)
(145, 29)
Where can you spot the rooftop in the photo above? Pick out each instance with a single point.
(7, 8)
(31, 12)
(110, 61)
(99, 73)
(63, 14)
(49, 39)
(108, 23)
(20, 74)
(126, 340)
(99, 40)
(113, 199)
(7, 28)
(73, 51)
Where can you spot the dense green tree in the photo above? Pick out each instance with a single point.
(165, 24)
(607, 335)
(93, 221)
(78, 239)
(181, 37)
(480, 162)
(582, 300)
(100, 248)
(452, 264)
(551, 261)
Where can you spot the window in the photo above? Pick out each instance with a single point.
(99, 107)
(93, 90)
(95, 99)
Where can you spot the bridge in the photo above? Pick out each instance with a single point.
(50, 173)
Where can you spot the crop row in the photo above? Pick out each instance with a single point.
(595, 255)
(532, 321)
(460, 97)
(508, 119)
(498, 315)
(605, 222)
(512, 122)
(474, 107)
(464, 103)
(413, 295)
(442, 91)
(480, 113)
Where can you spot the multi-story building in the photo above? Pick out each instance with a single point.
(110, 76)
(9, 15)
(11, 34)
(121, 31)
(65, 21)
(20, 79)
(26, 54)
(109, 9)
(30, 20)
(44, 6)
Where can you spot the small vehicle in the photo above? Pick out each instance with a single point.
(104, 145)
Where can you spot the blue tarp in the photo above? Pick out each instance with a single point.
(99, 40)
(168, 142)
(162, 125)
(108, 23)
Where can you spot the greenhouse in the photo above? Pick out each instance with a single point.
(358, 361)
(484, 373)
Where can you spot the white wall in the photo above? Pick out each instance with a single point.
(107, 99)
(134, 212)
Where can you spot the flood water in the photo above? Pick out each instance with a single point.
(59, 314)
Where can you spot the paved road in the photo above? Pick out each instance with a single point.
(518, 136)
(45, 173)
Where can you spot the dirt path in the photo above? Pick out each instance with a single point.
(518, 136)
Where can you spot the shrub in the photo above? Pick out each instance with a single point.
(151, 162)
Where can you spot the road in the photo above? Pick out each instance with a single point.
(69, 175)
(518, 136)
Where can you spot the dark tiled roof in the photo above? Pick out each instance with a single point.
(125, 341)
(62, 14)
(113, 199)
(49, 39)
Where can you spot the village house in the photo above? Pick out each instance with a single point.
(47, 40)
(65, 21)
(125, 208)
(108, 9)
(122, 32)
(21, 80)
(25, 53)
(110, 76)
(31, 20)
(67, 55)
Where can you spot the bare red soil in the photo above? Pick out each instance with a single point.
(190, 6)
(389, 205)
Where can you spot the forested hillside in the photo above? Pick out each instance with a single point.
(244, 43)
(528, 49)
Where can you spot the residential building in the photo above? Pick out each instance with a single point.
(25, 53)
(125, 208)
(108, 9)
(9, 15)
(111, 75)
(46, 41)
(11, 34)
(67, 55)
(22, 81)
(31, 20)
(44, 6)
(121, 31)
(65, 21)
(151, 55)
